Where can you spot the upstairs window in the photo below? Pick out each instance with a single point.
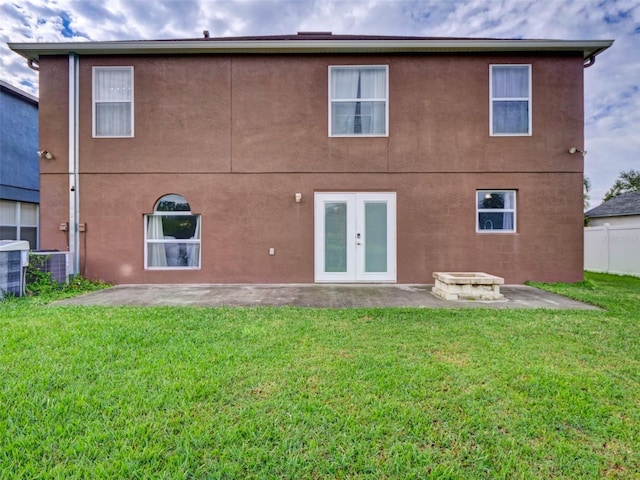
(358, 101)
(113, 102)
(496, 211)
(172, 235)
(510, 92)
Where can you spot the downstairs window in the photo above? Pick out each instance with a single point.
(172, 235)
(19, 221)
(496, 211)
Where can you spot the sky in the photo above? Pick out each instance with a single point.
(612, 85)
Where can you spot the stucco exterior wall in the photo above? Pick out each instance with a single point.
(19, 179)
(238, 136)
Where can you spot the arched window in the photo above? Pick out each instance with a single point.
(172, 235)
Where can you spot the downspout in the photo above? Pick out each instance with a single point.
(74, 194)
(589, 61)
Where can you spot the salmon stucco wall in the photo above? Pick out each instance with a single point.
(238, 136)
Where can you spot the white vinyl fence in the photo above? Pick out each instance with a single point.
(612, 249)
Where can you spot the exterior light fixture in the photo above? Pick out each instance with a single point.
(573, 150)
(298, 197)
(45, 154)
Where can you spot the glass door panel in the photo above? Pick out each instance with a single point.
(375, 236)
(335, 241)
(334, 234)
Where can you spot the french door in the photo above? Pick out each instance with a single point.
(355, 237)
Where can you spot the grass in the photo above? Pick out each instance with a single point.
(125, 392)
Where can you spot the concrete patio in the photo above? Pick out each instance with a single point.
(314, 295)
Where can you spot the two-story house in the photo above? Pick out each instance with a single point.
(313, 157)
(19, 176)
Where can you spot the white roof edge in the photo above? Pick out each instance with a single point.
(34, 50)
(18, 91)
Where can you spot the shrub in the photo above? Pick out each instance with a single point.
(41, 283)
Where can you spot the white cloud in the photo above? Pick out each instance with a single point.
(612, 93)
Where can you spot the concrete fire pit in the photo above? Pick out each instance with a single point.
(467, 286)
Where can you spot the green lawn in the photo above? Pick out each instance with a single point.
(103, 392)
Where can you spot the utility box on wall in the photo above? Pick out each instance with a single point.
(14, 259)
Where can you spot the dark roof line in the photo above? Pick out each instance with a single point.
(306, 36)
(624, 204)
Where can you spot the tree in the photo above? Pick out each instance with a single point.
(627, 182)
(586, 188)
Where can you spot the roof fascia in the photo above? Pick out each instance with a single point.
(16, 91)
(611, 215)
(32, 51)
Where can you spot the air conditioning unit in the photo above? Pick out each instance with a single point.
(51, 261)
(13, 264)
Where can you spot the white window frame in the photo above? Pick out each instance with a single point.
(171, 241)
(386, 100)
(95, 101)
(513, 99)
(19, 224)
(496, 210)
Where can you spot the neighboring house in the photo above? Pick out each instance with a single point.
(623, 210)
(19, 176)
(314, 157)
(612, 241)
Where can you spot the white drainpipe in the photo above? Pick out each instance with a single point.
(74, 184)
